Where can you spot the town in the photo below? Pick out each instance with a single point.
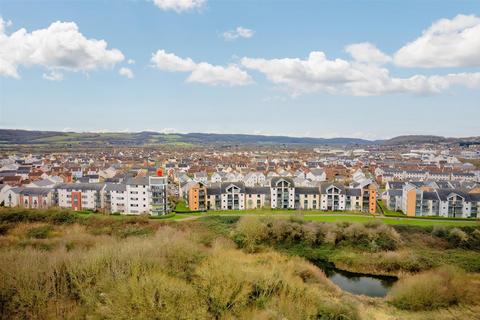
(423, 179)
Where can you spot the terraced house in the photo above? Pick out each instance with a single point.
(283, 194)
(451, 203)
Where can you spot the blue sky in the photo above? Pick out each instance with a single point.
(262, 82)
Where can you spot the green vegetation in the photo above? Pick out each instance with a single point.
(59, 264)
(387, 212)
(370, 247)
(41, 232)
(181, 206)
(434, 289)
(181, 216)
(85, 271)
(393, 221)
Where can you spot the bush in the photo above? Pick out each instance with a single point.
(153, 296)
(42, 232)
(250, 233)
(440, 231)
(4, 227)
(434, 289)
(458, 238)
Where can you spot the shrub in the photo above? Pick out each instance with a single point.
(458, 238)
(251, 232)
(4, 227)
(439, 288)
(440, 231)
(63, 217)
(387, 238)
(42, 232)
(152, 296)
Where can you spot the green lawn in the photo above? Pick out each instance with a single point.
(181, 206)
(388, 212)
(268, 211)
(180, 216)
(396, 221)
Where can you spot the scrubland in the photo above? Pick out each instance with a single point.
(56, 264)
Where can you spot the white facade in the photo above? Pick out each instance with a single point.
(90, 196)
(137, 198)
(282, 194)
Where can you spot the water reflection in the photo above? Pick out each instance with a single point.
(357, 283)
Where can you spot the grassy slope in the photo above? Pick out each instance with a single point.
(190, 266)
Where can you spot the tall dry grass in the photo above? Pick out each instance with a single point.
(438, 288)
(169, 275)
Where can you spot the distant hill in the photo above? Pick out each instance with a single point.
(26, 137)
(9, 136)
(420, 139)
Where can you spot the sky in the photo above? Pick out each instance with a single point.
(364, 69)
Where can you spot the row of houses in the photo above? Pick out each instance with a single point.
(256, 178)
(387, 175)
(433, 199)
(143, 195)
(282, 193)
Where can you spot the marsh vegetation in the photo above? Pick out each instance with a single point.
(58, 264)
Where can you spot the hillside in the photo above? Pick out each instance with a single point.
(26, 137)
(8, 136)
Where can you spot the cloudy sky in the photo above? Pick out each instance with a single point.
(367, 69)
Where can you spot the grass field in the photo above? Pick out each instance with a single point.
(322, 216)
(180, 216)
(394, 221)
(59, 264)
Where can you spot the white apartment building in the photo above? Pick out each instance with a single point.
(80, 196)
(233, 196)
(332, 197)
(145, 195)
(282, 193)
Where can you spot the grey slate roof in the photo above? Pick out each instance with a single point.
(307, 190)
(444, 193)
(240, 185)
(395, 184)
(141, 181)
(353, 192)
(81, 186)
(325, 186)
(35, 191)
(274, 181)
(119, 187)
(257, 190)
(430, 195)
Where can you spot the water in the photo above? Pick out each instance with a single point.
(358, 283)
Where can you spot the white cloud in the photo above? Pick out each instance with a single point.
(202, 72)
(239, 32)
(126, 72)
(319, 74)
(316, 73)
(170, 62)
(131, 61)
(53, 75)
(60, 47)
(179, 5)
(447, 43)
(367, 52)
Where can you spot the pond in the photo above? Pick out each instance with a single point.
(357, 283)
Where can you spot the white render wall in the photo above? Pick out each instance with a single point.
(138, 199)
(88, 198)
(118, 201)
